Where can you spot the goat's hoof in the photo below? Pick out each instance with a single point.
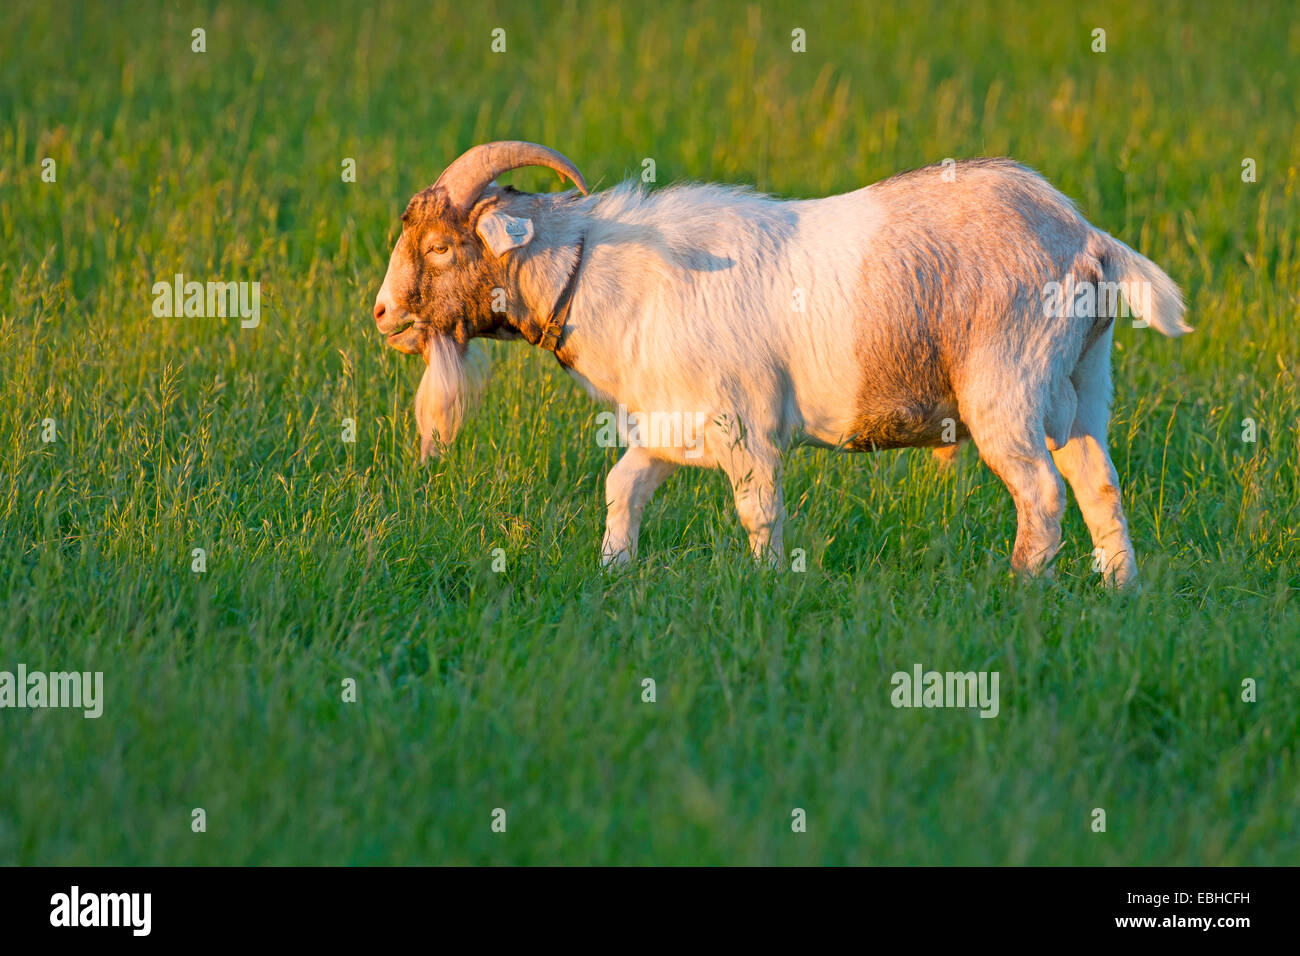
(611, 560)
(1122, 579)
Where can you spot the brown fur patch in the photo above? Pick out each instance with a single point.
(954, 262)
(451, 296)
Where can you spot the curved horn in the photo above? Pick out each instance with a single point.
(466, 178)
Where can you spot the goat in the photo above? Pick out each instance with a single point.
(920, 311)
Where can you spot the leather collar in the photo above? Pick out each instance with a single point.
(554, 328)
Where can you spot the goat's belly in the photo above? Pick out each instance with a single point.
(847, 403)
(904, 404)
(907, 424)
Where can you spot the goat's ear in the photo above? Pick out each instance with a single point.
(502, 232)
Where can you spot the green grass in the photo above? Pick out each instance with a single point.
(522, 690)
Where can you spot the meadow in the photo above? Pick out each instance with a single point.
(326, 560)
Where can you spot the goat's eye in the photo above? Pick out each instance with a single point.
(437, 250)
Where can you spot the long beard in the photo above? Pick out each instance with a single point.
(452, 381)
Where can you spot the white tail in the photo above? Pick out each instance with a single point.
(1160, 304)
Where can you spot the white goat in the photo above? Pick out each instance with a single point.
(950, 302)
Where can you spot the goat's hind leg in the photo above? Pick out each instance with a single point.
(1086, 464)
(1006, 421)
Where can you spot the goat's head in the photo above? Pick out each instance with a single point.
(450, 257)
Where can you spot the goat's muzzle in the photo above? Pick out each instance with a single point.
(402, 330)
(409, 340)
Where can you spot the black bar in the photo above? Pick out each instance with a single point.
(304, 905)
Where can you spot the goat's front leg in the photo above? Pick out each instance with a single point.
(755, 476)
(761, 506)
(628, 489)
